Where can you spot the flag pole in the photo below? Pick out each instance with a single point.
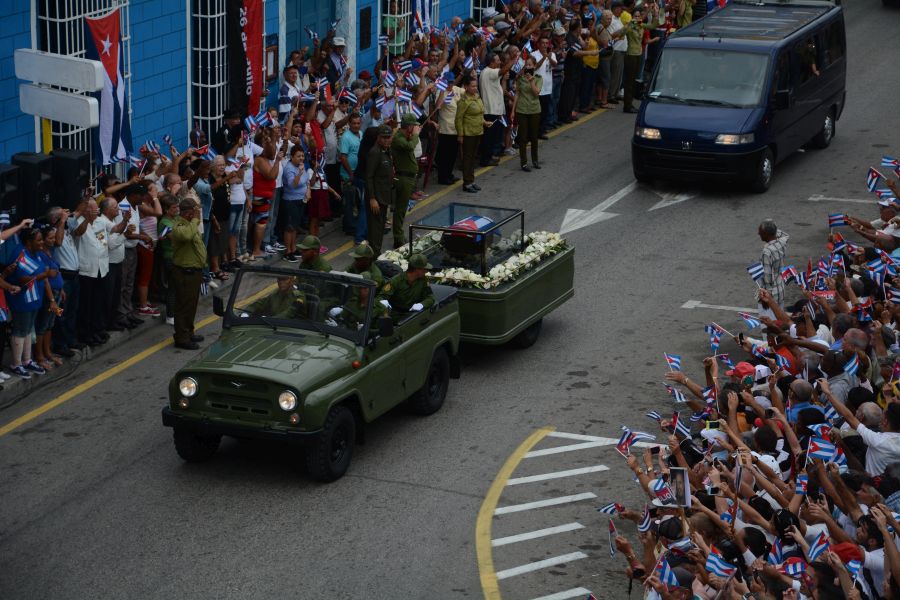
(671, 370)
(723, 329)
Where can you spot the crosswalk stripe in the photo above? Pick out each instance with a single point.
(541, 564)
(542, 503)
(522, 537)
(560, 449)
(578, 592)
(605, 441)
(557, 474)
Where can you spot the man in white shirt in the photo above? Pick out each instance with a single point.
(93, 267)
(882, 447)
(620, 47)
(494, 107)
(545, 60)
(112, 222)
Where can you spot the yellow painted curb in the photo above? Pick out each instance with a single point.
(483, 538)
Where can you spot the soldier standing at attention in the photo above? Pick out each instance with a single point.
(379, 187)
(188, 260)
(364, 264)
(309, 253)
(408, 292)
(403, 147)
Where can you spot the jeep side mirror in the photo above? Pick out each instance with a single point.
(782, 99)
(385, 326)
(218, 306)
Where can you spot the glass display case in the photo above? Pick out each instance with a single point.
(469, 236)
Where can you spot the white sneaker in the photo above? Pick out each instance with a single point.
(279, 246)
(4, 376)
(212, 283)
(269, 250)
(170, 320)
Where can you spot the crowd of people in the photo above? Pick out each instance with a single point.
(781, 475)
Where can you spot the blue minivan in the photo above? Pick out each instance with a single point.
(739, 90)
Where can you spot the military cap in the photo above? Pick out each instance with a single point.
(310, 242)
(418, 261)
(385, 131)
(362, 251)
(408, 119)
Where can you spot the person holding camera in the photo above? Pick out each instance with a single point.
(528, 113)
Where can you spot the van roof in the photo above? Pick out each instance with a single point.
(764, 21)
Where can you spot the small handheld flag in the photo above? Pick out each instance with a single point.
(644, 524)
(819, 448)
(612, 538)
(776, 554)
(837, 220)
(752, 322)
(673, 360)
(717, 565)
(756, 271)
(676, 394)
(654, 415)
(611, 509)
(872, 179)
(818, 547)
(852, 365)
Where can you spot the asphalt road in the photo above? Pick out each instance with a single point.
(96, 504)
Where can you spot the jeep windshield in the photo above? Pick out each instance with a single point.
(710, 78)
(282, 299)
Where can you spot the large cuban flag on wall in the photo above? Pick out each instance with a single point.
(112, 139)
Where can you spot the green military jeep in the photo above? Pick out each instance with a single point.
(305, 357)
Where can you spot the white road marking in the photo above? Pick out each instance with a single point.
(569, 448)
(543, 503)
(573, 593)
(541, 564)
(512, 539)
(670, 198)
(821, 198)
(557, 474)
(576, 218)
(698, 304)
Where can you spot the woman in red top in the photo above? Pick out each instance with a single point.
(265, 171)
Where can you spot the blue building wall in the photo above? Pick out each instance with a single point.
(159, 79)
(454, 8)
(16, 128)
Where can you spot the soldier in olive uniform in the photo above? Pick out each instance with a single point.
(379, 187)
(309, 252)
(284, 303)
(403, 148)
(408, 292)
(364, 264)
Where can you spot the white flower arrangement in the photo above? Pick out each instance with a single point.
(539, 245)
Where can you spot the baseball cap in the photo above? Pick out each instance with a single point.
(365, 75)
(418, 64)
(501, 26)
(488, 13)
(364, 250)
(418, 261)
(385, 131)
(310, 242)
(339, 41)
(741, 370)
(408, 119)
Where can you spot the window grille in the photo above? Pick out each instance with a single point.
(396, 16)
(61, 31)
(479, 5)
(435, 13)
(209, 76)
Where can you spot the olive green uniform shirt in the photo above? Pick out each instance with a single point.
(403, 153)
(188, 250)
(379, 176)
(373, 273)
(402, 294)
(288, 305)
(528, 102)
(318, 264)
(469, 116)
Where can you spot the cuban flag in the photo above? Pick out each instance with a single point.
(752, 322)
(250, 123)
(379, 102)
(404, 66)
(403, 96)
(894, 295)
(776, 554)
(819, 448)
(29, 268)
(818, 547)
(852, 365)
(890, 162)
(644, 524)
(675, 393)
(726, 360)
(167, 140)
(312, 34)
(717, 565)
(448, 99)
(679, 426)
(682, 546)
(715, 337)
(612, 538)
(611, 509)
(263, 119)
(710, 395)
(801, 484)
(350, 96)
(412, 79)
(390, 79)
(756, 271)
(795, 567)
(102, 42)
(831, 415)
(654, 415)
(469, 62)
(666, 575)
(783, 363)
(872, 179)
(788, 273)
(853, 567)
(441, 84)
(674, 361)
(416, 110)
(837, 220)
(383, 40)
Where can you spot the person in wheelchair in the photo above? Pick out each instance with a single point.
(286, 302)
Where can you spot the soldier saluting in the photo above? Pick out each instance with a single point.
(379, 187)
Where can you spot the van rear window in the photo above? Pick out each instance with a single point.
(710, 77)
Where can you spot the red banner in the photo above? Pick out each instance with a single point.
(245, 54)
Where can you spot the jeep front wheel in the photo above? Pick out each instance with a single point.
(429, 399)
(193, 447)
(328, 457)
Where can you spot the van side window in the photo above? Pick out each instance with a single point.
(782, 74)
(808, 67)
(834, 43)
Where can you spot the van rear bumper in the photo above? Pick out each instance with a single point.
(689, 165)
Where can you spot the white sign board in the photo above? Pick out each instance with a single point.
(81, 111)
(56, 69)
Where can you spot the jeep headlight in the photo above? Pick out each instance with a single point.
(648, 133)
(287, 400)
(188, 387)
(733, 139)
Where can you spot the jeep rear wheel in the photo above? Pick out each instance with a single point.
(328, 458)
(193, 447)
(429, 399)
(528, 336)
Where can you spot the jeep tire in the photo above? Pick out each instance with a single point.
(193, 447)
(429, 399)
(328, 457)
(528, 336)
